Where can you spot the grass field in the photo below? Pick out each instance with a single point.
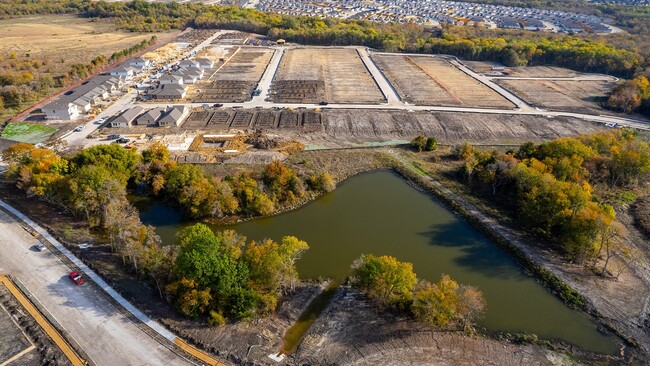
(56, 42)
(27, 132)
(63, 40)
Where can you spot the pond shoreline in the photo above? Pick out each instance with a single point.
(537, 264)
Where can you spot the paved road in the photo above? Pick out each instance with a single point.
(105, 334)
(265, 82)
(384, 85)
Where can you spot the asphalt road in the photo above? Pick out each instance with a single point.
(105, 334)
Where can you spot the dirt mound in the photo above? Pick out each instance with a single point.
(641, 211)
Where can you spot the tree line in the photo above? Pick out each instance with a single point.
(558, 190)
(582, 53)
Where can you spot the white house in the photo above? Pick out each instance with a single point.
(124, 71)
(61, 110)
(139, 62)
(150, 117)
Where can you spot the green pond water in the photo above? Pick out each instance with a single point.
(379, 213)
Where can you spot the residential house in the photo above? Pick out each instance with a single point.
(174, 116)
(171, 79)
(169, 91)
(150, 117)
(126, 118)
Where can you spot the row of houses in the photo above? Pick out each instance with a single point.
(441, 11)
(159, 116)
(175, 84)
(79, 100)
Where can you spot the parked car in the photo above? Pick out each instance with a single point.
(100, 121)
(323, 102)
(78, 128)
(113, 137)
(122, 140)
(217, 105)
(40, 247)
(76, 278)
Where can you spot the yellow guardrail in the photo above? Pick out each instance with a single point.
(67, 350)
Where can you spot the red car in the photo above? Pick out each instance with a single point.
(76, 278)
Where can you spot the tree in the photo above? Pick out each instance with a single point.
(419, 143)
(120, 162)
(384, 279)
(273, 265)
(283, 183)
(431, 144)
(436, 304)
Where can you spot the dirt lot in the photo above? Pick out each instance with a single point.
(336, 75)
(523, 71)
(238, 78)
(22, 339)
(428, 80)
(349, 127)
(352, 332)
(63, 40)
(573, 96)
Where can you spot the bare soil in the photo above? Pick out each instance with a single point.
(573, 96)
(641, 211)
(336, 75)
(21, 333)
(361, 127)
(457, 88)
(483, 67)
(238, 78)
(351, 331)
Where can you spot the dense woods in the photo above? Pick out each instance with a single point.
(562, 191)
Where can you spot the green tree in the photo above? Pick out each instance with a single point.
(384, 279)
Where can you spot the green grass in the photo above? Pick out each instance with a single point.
(27, 132)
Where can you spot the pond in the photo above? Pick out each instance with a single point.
(379, 213)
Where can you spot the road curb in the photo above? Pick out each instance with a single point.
(152, 328)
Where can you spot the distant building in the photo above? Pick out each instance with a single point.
(126, 72)
(139, 62)
(71, 104)
(281, 41)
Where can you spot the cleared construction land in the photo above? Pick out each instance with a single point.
(522, 71)
(22, 341)
(358, 126)
(433, 81)
(225, 120)
(335, 75)
(573, 96)
(238, 78)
